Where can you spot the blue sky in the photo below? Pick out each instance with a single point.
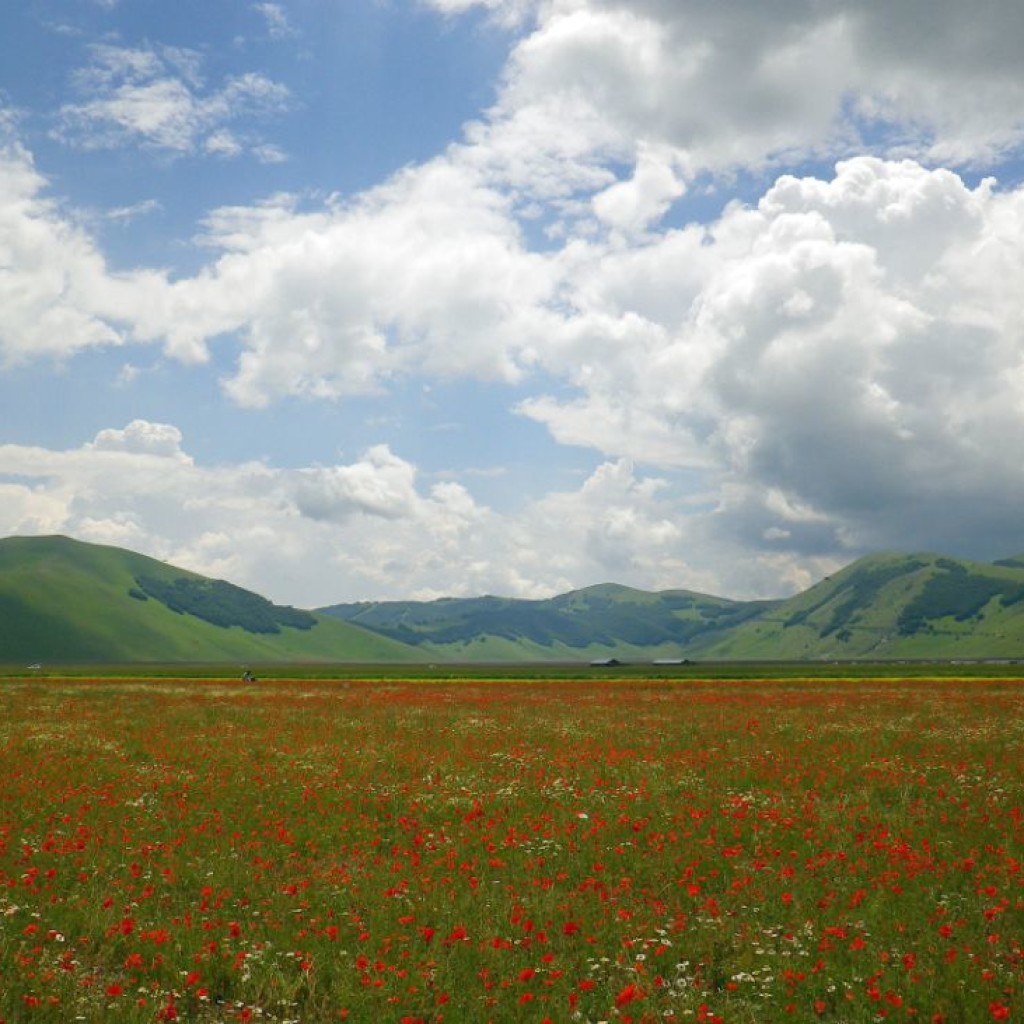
(404, 298)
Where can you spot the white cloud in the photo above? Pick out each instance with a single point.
(852, 346)
(841, 362)
(58, 297)
(127, 214)
(631, 206)
(278, 24)
(156, 99)
(268, 153)
(382, 485)
(595, 86)
(367, 529)
(879, 305)
(50, 271)
(222, 143)
(426, 273)
(141, 437)
(430, 272)
(508, 12)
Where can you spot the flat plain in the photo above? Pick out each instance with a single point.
(609, 849)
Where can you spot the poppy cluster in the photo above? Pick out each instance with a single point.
(614, 851)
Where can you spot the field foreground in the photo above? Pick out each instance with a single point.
(470, 852)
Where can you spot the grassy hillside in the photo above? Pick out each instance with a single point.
(63, 600)
(884, 606)
(892, 606)
(601, 621)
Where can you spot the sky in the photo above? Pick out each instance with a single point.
(390, 299)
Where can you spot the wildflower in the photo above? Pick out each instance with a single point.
(628, 994)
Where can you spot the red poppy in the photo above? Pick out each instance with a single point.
(628, 994)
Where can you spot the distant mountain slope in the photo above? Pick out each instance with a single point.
(66, 601)
(600, 621)
(893, 606)
(883, 606)
(63, 600)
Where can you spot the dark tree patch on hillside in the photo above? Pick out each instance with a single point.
(954, 595)
(863, 591)
(1014, 596)
(222, 604)
(1016, 562)
(853, 596)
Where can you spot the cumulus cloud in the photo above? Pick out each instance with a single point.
(427, 273)
(157, 98)
(141, 438)
(607, 110)
(839, 361)
(57, 295)
(431, 272)
(35, 310)
(742, 84)
(369, 528)
(633, 205)
(849, 359)
(383, 485)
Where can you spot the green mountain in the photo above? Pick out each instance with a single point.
(66, 601)
(885, 606)
(892, 606)
(603, 621)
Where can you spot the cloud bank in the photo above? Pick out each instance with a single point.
(838, 358)
(318, 534)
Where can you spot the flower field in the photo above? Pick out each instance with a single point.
(512, 851)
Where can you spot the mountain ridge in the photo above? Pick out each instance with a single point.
(68, 600)
(887, 605)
